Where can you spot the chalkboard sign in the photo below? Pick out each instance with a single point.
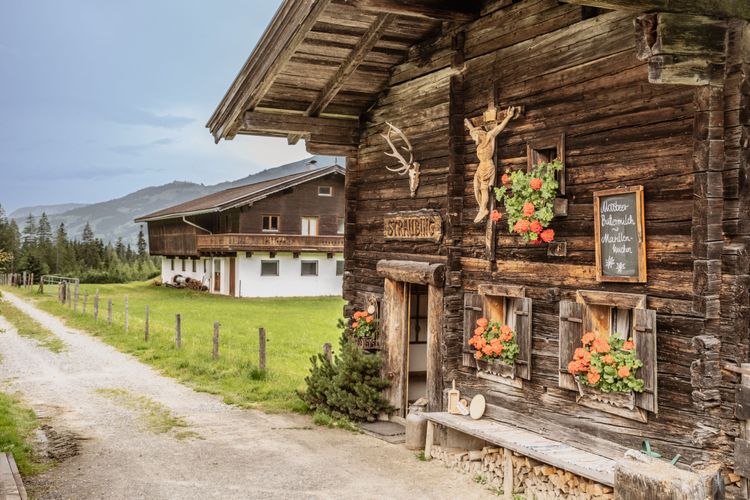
(620, 239)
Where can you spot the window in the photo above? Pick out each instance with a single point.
(182, 260)
(325, 191)
(341, 226)
(545, 150)
(195, 265)
(418, 314)
(309, 226)
(270, 223)
(309, 268)
(339, 268)
(269, 268)
(171, 264)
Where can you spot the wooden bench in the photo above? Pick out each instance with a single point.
(11, 486)
(529, 444)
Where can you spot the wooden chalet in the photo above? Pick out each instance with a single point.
(279, 237)
(646, 104)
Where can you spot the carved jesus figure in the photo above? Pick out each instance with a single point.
(484, 178)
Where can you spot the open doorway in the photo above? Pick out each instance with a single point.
(217, 275)
(416, 383)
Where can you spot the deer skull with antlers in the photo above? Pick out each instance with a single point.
(410, 167)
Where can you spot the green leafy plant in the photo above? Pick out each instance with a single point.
(494, 340)
(350, 386)
(608, 365)
(528, 198)
(363, 325)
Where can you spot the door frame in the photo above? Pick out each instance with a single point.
(232, 276)
(395, 328)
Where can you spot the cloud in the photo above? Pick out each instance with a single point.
(137, 149)
(135, 116)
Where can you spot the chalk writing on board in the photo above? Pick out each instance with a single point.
(618, 234)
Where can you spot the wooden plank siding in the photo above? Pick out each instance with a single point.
(574, 76)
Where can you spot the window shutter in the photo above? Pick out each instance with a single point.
(522, 311)
(645, 348)
(571, 331)
(473, 310)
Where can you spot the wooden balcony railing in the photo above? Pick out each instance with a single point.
(231, 242)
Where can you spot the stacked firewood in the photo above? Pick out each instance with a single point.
(531, 479)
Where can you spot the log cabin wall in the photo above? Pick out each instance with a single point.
(171, 238)
(575, 70)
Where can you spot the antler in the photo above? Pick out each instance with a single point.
(406, 165)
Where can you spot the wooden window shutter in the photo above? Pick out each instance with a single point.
(644, 321)
(473, 310)
(522, 311)
(571, 331)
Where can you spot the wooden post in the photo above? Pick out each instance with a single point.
(178, 331)
(63, 291)
(126, 314)
(96, 305)
(328, 352)
(31, 280)
(41, 285)
(745, 429)
(85, 300)
(216, 340)
(507, 473)
(75, 299)
(145, 327)
(429, 440)
(262, 348)
(109, 312)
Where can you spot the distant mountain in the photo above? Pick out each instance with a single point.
(37, 210)
(114, 218)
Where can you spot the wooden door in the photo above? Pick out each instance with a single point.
(232, 275)
(395, 342)
(217, 276)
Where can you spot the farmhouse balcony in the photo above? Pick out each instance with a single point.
(231, 242)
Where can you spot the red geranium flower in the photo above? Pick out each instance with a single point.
(522, 226)
(535, 183)
(505, 179)
(548, 235)
(528, 209)
(496, 216)
(536, 226)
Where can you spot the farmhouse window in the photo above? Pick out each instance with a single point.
(418, 315)
(605, 314)
(182, 262)
(508, 305)
(309, 226)
(309, 268)
(341, 226)
(270, 223)
(339, 268)
(545, 150)
(269, 268)
(325, 191)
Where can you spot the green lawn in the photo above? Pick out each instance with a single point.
(17, 425)
(296, 329)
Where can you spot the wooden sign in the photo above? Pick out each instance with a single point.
(421, 225)
(619, 233)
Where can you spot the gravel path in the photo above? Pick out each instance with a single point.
(240, 453)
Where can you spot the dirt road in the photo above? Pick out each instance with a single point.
(114, 404)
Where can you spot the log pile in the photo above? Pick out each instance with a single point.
(531, 478)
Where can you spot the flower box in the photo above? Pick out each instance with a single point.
(367, 343)
(617, 399)
(496, 367)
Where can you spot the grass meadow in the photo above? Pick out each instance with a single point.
(296, 329)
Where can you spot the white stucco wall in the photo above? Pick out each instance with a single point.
(167, 274)
(289, 282)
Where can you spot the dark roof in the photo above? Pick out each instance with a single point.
(241, 195)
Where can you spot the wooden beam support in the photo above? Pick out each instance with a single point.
(421, 273)
(441, 10)
(714, 8)
(337, 131)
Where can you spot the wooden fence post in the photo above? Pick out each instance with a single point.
(85, 300)
(328, 352)
(126, 314)
(41, 285)
(178, 331)
(145, 326)
(216, 340)
(75, 299)
(109, 312)
(96, 305)
(31, 280)
(262, 348)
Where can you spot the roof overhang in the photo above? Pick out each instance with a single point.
(321, 64)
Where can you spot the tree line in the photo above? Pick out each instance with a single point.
(37, 249)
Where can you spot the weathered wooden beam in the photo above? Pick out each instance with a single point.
(714, 8)
(421, 273)
(327, 130)
(441, 10)
(252, 94)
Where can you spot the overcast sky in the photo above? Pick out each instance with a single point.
(100, 98)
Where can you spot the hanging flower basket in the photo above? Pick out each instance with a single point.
(605, 370)
(362, 329)
(529, 199)
(496, 348)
